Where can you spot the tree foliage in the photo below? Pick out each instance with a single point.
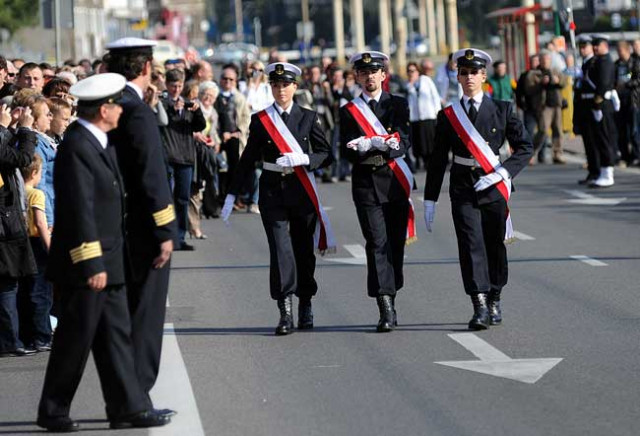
(15, 14)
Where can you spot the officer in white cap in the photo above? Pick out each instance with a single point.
(583, 94)
(478, 206)
(87, 266)
(602, 128)
(381, 201)
(288, 214)
(151, 219)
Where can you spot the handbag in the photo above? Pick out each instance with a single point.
(12, 224)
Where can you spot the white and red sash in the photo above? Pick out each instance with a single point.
(323, 238)
(480, 150)
(372, 126)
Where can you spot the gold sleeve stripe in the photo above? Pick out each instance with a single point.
(86, 251)
(164, 216)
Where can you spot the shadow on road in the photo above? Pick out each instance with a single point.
(269, 331)
(102, 422)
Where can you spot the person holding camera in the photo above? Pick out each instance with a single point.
(545, 86)
(185, 118)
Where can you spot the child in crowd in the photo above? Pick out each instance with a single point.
(34, 292)
(62, 116)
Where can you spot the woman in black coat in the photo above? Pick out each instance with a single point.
(16, 258)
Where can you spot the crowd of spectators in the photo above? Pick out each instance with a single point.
(204, 123)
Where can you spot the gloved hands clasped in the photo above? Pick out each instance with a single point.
(497, 176)
(378, 142)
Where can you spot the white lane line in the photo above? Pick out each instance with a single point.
(327, 208)
(173, 390)
(588, 260)
(523, 237)
(579, 194)
(356, 250)
(481, 349)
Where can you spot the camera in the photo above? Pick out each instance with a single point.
(188, 104)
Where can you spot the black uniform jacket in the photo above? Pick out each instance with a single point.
(150, 213)
(496, 121)
(89, 211)
(582, 107)
(602, 73)
(306, 127)
(376, 184)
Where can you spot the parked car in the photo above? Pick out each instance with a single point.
(167, 50)
(416, 44)
(234, 52)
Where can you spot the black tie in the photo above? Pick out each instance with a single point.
(473, 112)
(285, 116)
(372, 105)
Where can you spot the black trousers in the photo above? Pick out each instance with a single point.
(480, 231)
(292, 259)
(603, 136)
(384, 227)
(591, 151)
(97, 322)
(423, 134)
(148, 306)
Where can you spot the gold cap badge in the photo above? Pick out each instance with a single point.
(279, 69)
(468, 54)
(366, 58)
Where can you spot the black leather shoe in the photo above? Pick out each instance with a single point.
(285, 326)
(495, 310)
(60, 424)
(480, 320)
(305, 314)
(185, 247)
(587, 180)
(385, 306)
(149, 418)
(165, 412)
(24, 351)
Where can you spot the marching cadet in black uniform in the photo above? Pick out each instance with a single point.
(478, 204)
(583, 93)
(288, 213)
(601, 75)
(87, 265)
(151, 221)
(381, 201)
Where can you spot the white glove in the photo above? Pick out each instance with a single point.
(289, 160)
(429, 213)
(229, 201)
(364, 145)
(379, 143)
(597, 114)
(486, 181)
(393, 143)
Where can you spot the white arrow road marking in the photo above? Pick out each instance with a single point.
(173, 390)
(588, 260)
(494, 362)
(355, 250)
(592, 200)
(523, 237)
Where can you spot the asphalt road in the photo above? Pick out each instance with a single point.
(572, 295)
